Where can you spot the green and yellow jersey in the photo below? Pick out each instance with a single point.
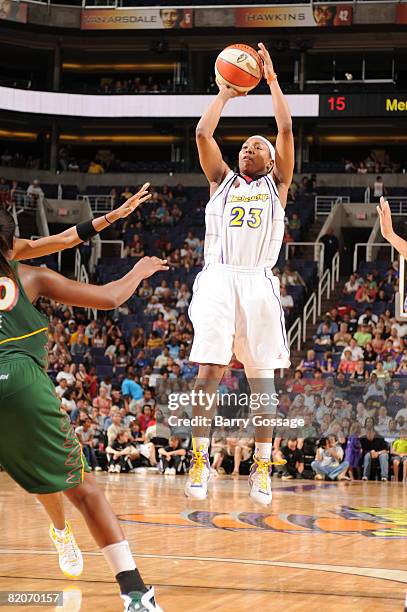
(23, 329)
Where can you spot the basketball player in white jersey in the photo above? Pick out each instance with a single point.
(236, 302)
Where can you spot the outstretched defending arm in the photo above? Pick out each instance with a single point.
(44, 282)
(386, 225)
(30, 249)
(284, 162)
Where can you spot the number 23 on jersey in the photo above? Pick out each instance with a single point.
(238, 217)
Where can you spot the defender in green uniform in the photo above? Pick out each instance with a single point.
(39, 448)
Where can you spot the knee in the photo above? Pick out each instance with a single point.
(84, 492)
(211, 372)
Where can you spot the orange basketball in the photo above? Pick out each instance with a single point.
(239, 66)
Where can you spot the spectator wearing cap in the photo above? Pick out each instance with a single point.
(309, 401)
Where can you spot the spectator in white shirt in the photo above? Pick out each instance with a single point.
(352, 285)
(34, 191)
(287, 301)
(65, 373)
(61, 388)
(357, 351)
(368, 317)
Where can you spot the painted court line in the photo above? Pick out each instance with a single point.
(367, 572)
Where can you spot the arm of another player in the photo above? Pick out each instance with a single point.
(210, 156)
(284, 162)
(386, 225)
(47, 283)
(29, 249)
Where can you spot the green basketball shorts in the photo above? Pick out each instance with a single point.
(38, 445)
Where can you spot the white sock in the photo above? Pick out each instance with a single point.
(263, 450)
(201, 442)
(60, 532)
(119, 557)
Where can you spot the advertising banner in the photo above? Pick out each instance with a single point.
(166, 18)
(401, 13)
(320, 15)
(12, 10)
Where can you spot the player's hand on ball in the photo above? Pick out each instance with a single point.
(150, 265)
(268, 68)
(386, 224)
(228, 92)
(132, 203)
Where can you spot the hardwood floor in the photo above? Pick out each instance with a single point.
(334, 546)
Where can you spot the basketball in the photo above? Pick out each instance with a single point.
(239, 66)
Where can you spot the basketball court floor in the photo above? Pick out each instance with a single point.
(321, 546)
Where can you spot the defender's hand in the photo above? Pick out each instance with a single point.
(150, 265)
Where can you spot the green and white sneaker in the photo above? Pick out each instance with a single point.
(137, 601)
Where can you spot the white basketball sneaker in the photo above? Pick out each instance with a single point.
(137, 601)
(197, 483)
(70, 556)
(260, 481)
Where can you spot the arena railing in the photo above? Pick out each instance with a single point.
(98, 203)
(82, 276)
(324, 204)
(398, 205)
(294, 334)
(367, 246)
(14, 213)
(324, 287)
(335, 270)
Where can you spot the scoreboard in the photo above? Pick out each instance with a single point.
(363, 105)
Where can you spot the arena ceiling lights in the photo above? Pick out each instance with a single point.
(139, 106)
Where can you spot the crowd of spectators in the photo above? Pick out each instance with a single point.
(136, 85)
(376, 162)
(114, 375)
(351, 385)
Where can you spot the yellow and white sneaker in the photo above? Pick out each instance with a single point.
(260, 481)
(197, 484)
(70, 556)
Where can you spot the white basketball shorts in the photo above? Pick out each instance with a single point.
(238, 310)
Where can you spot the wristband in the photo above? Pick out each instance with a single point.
(86, 230)
(271, 78)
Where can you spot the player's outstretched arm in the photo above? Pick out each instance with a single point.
(284, 162)
(44, 282)
(29, 249)
(386, 226)
(210, 156)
